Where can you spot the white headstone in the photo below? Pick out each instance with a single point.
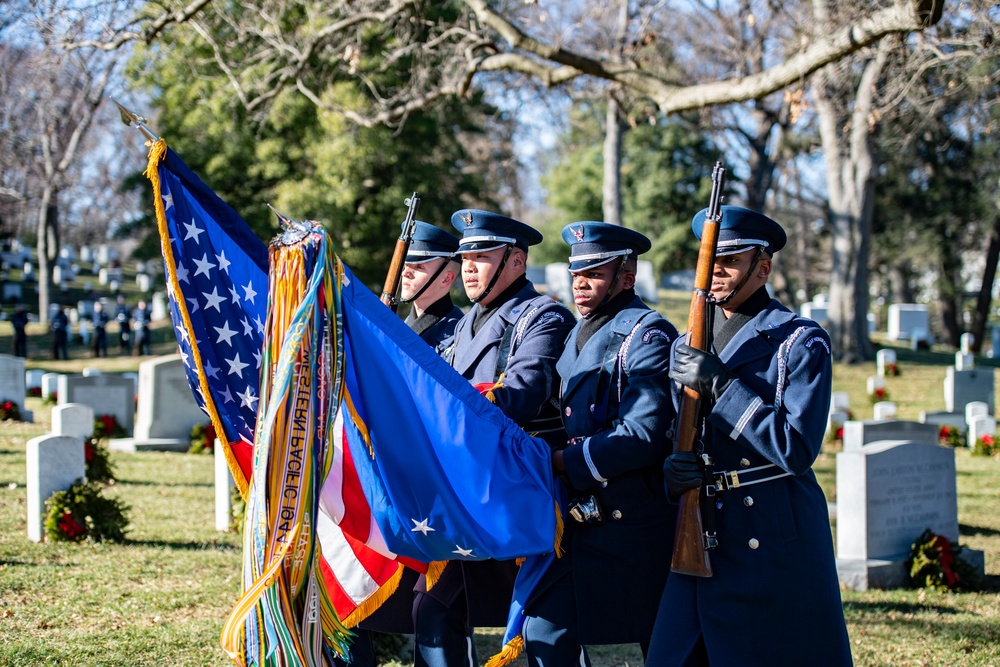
(55, 463)
(840, 400)
(12, 380)
(223, 483)
(836, 421)
(90, 372)
(159, 306)
(102, 276)
(964, 387)
(645, 282)
(86, 254)
(875, 382)
(113, 286)
(888, 493)
(167, 409)
(559, 282)
(103, 254)
(57, 274)
(75, 419)
(50, 384)
(33, 378)
(144, 282)
(106, 394)
(976, 409)
(966, 341)
(884, 410)
(818, 312)
(28, 269)
(904, 318)
(951, 419)
(883, 359)
(964, 361)
(980, 426)
(859, 434)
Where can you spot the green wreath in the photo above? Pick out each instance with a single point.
(81, 512)
(935, 562)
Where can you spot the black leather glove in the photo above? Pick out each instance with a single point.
(681, 472)
(702, 371)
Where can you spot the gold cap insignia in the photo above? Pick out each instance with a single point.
(467, 217)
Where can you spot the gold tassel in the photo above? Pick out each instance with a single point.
(508, 654)
(497, 385)
(520, 561)
(434, 572)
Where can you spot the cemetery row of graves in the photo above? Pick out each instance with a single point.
(910, 469)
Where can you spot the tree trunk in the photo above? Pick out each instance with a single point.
(613, 133)
(985, 297)
(47, 222)
(849, 153)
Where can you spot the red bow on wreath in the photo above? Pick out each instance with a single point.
(943, 546)
(70, 526)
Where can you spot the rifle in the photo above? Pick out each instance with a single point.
(392, 278)
(691, 542)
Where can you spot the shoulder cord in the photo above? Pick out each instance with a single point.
(784, 350)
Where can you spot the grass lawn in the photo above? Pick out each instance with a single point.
(162, 597)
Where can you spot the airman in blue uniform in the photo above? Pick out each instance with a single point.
(428, 274)
(616, 407)
(508, 343)
(774, 597)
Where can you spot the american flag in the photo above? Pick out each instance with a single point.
(217, 277)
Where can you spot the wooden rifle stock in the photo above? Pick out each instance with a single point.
(394, 276)
(690, 553)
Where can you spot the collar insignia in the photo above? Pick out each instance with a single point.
(578, 233)
(467, 218)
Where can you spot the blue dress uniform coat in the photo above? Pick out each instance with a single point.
(617, 566)
(530, 382)
(774, 598)
(440, 331)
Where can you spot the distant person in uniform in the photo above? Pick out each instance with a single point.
(606, 587)
(100, 321)
(123, 315)
(774, 597)
(515, 335)
(59, 326)
(19, 320)
(142, 317)
(428, 274)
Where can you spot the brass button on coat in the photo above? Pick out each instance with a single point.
(744, 463)
(748, 501)
(753, 543)
(617, 514)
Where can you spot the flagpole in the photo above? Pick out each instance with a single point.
(132, 118)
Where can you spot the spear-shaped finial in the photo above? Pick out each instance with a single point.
(132, 118)
(293, 231)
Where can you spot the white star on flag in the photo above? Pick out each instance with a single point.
(236, 365)
(260, 325)
(462, 552)
(210, 370)
(213, 300)
(247, 329)
(194, 305)
(248, 290)
(182, 332)
(421, 526)
(225, 333)
(234, 294)
(226, 395)
(257, 356)
(182, 273)
(247, 399)
(168, 201)
(193, 231)
(204, 267)
(223, 262)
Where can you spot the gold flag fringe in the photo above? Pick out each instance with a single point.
(369, 606)
(156, 154)
(434, 572)
(508, 654)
